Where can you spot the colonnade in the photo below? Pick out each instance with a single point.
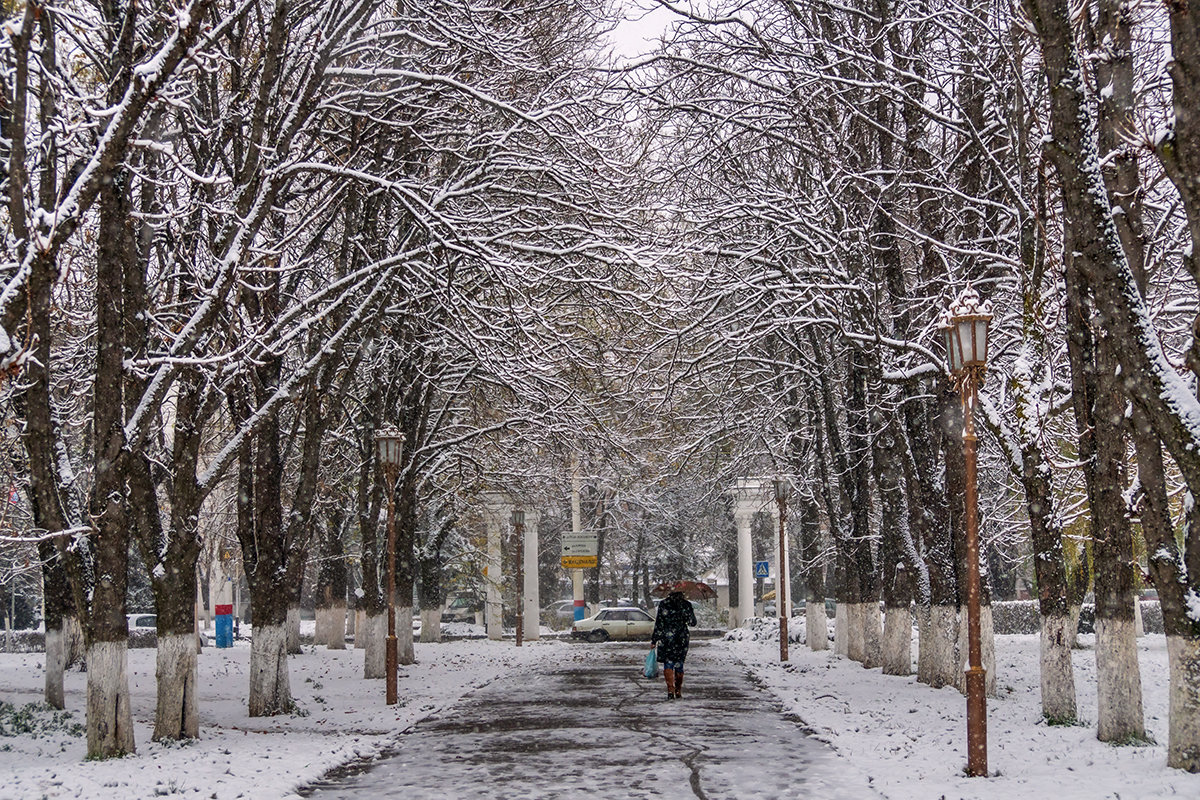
(497, 509)
(755, 496)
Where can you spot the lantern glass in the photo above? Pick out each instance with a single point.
(981, 340)
(782, 489)
(953, 358)
(389, 444)
(966, 342)
(518, 517)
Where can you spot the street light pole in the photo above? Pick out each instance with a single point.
(976, 675)
(389, 443)
(782, 488)
(965, 327)
(518, 521)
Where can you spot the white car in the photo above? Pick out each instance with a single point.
(626, 622)
(142, 622)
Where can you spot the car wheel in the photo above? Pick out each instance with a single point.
(598, 636)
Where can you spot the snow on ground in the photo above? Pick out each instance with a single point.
(911, 739)
(341, 718)
(908, 738)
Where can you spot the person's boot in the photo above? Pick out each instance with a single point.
(678, 685)
(669, 674)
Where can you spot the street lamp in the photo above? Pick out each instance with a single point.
(965, 328)
(782, 489)
(389, 444)
(518, 521)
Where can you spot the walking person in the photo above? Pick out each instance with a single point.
(671, 635)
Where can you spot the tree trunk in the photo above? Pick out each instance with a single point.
(264, 555)
(58, 606)
(337, 625)
(270, 690)
(374, 633)
(292, 626)
(109, 718)
(404, 636)
(1183, 749)
(924, 423)
(815, 622)
(431, 624)
(898, 553)
(175, 714)
(1057, 674)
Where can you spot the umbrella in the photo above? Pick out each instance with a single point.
(692, 590)
(769, 596)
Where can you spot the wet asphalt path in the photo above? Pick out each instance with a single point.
(589, 725)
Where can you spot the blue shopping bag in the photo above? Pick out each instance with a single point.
(651, 670)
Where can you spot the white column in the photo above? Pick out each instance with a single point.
(745, 608)
(531, 594)
(576, 527)
(783, 573)
(495, 512)
(787, 574)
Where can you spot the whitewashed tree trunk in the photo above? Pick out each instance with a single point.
(924, 642)
(56, 661)
(431, 624)
(987, 651)
(816, 626)
(856, 644)
(987, 634)
(1139, 628)
(270, 692)
(897, 641)
(943, 652)
(841, 634)
(336, 632)
(360, 629)
(872, 635)
(1183, 744)
(373, 632)
(404, 635)
(1076, 611)
(321, 626)
(175, 712)
(109, 718)
(293, 629)
(1119, 714)
(1057, 674)
(74, 651)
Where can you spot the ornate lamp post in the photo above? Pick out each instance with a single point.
(389, 444)
(782, 489)
(965, 328)
(518, 521)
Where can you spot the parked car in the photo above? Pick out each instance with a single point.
(460, 609)
(142, 622)
(615, 623)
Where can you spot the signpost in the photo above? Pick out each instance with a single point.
(762, 569)
(580, 550)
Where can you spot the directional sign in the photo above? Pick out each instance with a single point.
(762, 569)
(580, 550)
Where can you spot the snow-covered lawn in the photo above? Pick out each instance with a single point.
(342, 717)
(911, 739)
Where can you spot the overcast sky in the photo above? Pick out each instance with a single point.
(639, 33)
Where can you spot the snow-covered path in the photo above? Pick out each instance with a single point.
(588, 724)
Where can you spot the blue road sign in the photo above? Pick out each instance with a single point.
(762, 569)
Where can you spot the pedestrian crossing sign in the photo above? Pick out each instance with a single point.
(762, 569)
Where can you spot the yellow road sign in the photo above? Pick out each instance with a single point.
(580, 562)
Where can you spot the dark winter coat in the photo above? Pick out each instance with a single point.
(675, 614)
